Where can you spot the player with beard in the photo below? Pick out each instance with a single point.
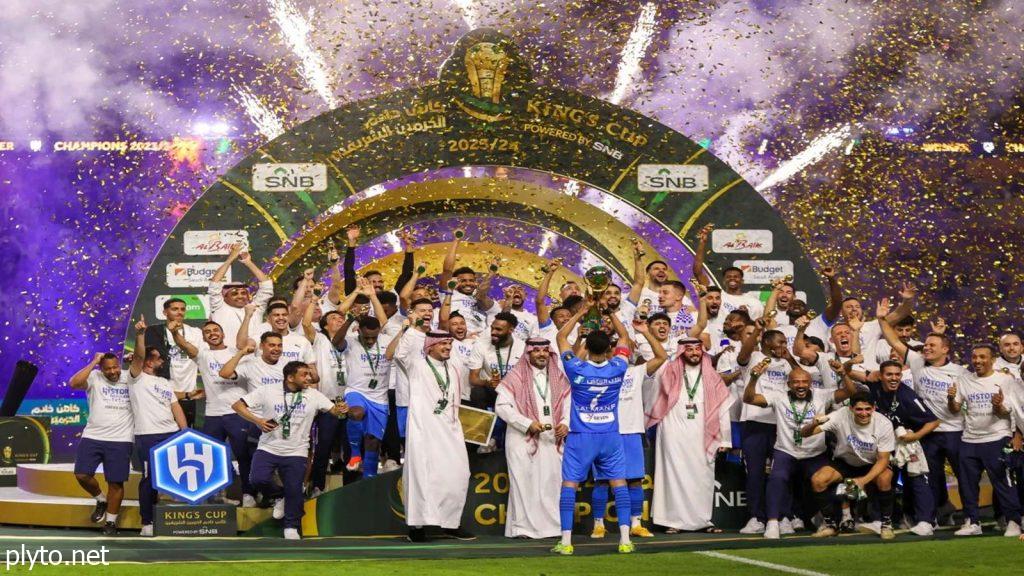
(155, 413)
(871, 333)
(1011, 355)
(844, 345)
(228, 301)
(515, 296)
(178, 343)
(464, 300)
(252, 370)
(759, 427)
(107, 438)
(988, 431)
(490, 361)
(568, 290)
(714, 331)
(934, 373)
(329, 429)
(294, 345)
(865, 442)
(221, 422)
(906, 329)
(646, 288)
(792, 456)
(912, 421)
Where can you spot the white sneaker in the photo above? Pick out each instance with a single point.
(797, 524)
(1012, 529)
(923, 529)
(291, 534)
(786, 527)
(147, 530)
(870, 527)
(248, 501)
(390, 466)
(771, 531)
(969, 529)
(316, 493)
(278, 509)
(754, 526)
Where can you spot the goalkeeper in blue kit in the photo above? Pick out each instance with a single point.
(594, 439)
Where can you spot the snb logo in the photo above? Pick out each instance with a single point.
(190, 466)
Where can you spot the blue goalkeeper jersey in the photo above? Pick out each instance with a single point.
(595, 393)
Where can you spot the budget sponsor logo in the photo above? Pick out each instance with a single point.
(193, 274)
(750, 241)
(281, 177)
(672, 178)
(763, 271)
(213, 242)
(197, 306)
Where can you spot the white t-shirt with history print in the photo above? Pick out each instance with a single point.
(221, 393)
(110, 408)
(931, 383)
(787, 410)
(152, 397)
(860, 445)
(274, 402)
(255, 372)
(981, 424)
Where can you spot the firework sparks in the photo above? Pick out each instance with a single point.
(268, 123)
(297, 30)
(633, 53)
(821, 146)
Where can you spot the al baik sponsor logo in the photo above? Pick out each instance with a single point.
(672, 178)
(193, 274)
(763, 271)
(280, 177)
(750, 241)
(197, 306)
(213, 242)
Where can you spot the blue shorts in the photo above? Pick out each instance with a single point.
(376, 415)
(602, 451)
(116, 458)
(402, 416)
(633, 451)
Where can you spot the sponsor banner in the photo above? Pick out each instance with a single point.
(213, 242)
(749, 241)
(197, 306)
(60, 411)
(193, 274)
(763, 271)
(289, 177)
(672, 178)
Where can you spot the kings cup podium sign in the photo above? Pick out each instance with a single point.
(192, 467)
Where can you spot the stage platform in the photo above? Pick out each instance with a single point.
(129, 547)
(49, 495)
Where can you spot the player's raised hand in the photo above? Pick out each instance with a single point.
(939, 325)
(882, 308)
(352, 233)
(908, 291)
(141, 324)
(951, 391)
(760, 367)
(703, 233)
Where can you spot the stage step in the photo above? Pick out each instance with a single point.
(49, 495)
(59, 480)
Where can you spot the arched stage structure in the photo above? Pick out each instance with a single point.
(529, 171)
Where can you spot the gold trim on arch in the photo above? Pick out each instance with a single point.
(603, 227)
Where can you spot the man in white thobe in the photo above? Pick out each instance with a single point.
(436, 472)
(691, 430)
(531, 399)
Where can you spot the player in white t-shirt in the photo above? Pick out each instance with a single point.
(934, 372)
(462, 344)
(228, 300)
(514, 297)
(631, 428)
(221, 421)
(865, 442)
(156, 416)
(295, 347)
(759, 429)
(792, 454)
(491, 360)
(1011, 354)
(285, 414)
(988, 429)
(107, 438)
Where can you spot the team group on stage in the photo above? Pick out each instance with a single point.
(829, 411)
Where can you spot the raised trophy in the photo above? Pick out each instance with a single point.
(598, 279)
